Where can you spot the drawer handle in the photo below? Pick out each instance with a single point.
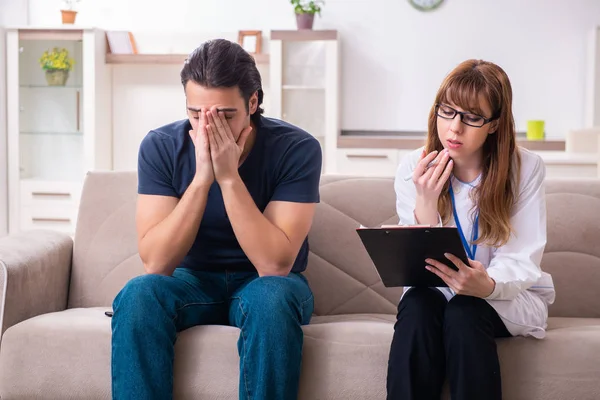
(377, 156)
(36, 219)
(50, 194)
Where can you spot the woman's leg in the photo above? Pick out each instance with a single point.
(470, 327)
(416, 367)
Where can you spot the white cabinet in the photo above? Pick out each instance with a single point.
(369, 162)
(58, 129)
(304, 85)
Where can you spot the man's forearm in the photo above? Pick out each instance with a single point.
(167, 243)
(267, 246)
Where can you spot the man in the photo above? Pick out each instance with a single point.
(226, 200)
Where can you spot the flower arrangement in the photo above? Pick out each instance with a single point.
(57, 64)
(56, 59)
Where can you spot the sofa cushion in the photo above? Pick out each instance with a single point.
(345, 357)
(572, 254)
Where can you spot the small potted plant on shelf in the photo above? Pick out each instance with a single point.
(68, 11)
(57, 64)
(305, 12)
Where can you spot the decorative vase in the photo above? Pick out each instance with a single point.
(57, 77)
(68, 16)
(305, 21)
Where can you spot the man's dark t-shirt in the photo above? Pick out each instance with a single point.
(283, 165)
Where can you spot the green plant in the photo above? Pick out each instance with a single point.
(56, 58)
(307, 7)
(70, 4)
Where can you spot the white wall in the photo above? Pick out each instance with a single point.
(394, 57)
(11, 12)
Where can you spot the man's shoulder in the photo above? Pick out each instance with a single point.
(282, 132)
(174, 131)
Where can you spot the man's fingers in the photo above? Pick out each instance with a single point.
(215, 121)
(243, 137)
(225, 125)
(213, 141)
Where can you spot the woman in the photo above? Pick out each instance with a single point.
(493, 192)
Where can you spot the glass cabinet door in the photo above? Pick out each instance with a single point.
(50, 110)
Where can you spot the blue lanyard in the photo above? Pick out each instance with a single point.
(471, 250)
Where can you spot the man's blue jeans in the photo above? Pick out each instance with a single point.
(151, 309)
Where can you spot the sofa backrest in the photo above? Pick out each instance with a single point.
(340, 272)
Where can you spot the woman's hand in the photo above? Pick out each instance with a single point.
(470, 280)
(429, 183)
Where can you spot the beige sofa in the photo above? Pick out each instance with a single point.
(56, 338)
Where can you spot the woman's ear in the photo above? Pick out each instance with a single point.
(493, 127)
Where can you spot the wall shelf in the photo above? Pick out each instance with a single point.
(404, 142)
(163, 58)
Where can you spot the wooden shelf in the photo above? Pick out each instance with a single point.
(407, 142)
(304, 35)
(163, 58)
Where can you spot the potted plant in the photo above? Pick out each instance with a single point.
(57, 64)
(68, 11)
(305, 12)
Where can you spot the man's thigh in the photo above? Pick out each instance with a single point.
(272, 295)
(199, 298)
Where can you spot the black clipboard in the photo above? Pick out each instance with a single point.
(399, 253)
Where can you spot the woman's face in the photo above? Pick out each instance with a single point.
(464, 134)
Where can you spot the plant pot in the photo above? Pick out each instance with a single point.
(57, 77)
(68, 16)
(305, 21)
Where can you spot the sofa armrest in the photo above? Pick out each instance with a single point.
(35, 268)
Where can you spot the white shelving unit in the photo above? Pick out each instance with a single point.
(305, 85)
(55, 133)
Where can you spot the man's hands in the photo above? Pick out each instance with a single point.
(204, 169)
(217, 152)
(225, 152)
(470, 280)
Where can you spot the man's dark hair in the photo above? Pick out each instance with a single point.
(220, 63)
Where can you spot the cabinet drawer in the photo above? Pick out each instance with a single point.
(61, 218)
(367, 162)
(49, 193)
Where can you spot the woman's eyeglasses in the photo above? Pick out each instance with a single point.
(467, 118)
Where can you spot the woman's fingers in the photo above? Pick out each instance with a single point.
(446, 175)
(422, 165)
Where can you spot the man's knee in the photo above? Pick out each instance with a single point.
(140, 294)
(273, 298)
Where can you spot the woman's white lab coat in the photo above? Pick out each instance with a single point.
(523, 291)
